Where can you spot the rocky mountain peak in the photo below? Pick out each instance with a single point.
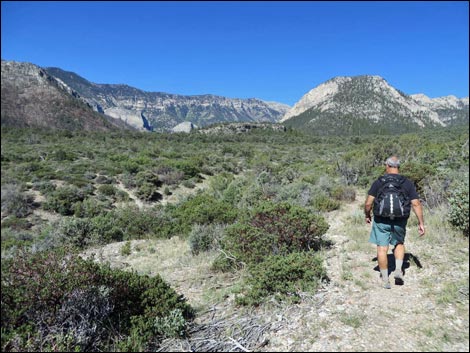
(31, 97)
(351, 103)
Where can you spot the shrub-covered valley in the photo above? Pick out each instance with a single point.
(250, 214)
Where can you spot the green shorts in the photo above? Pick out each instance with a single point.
(384, 234)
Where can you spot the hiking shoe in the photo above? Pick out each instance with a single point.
(399, 281)
(387, 285)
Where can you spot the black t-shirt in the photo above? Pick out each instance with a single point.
(408, 186)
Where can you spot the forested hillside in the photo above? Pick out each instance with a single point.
(254, 207)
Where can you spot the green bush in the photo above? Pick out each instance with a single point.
(458, 212)
(126, 249)
(91, 207)
(205, 237)
(108, 190)
(44, 187)
(62, 200)
(12, 239)
(272, 229)
(47, 297)
(131, 223)
(147, 177)
(15, 202)
(172, 325)
(148, 192)
(343, 193)
(201, 209)
(73, 231)
(284, 276)
(324, 203)
(296, 228)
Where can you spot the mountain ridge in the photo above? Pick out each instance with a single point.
(32, 98)
(163, 111)
(368, 103)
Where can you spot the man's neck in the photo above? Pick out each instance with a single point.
(390, 170)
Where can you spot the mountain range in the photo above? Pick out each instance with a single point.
(163, 111)
(52, 97)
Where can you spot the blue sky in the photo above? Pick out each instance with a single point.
(272, 50)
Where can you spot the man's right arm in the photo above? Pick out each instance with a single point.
(418, 210)
(368, 208)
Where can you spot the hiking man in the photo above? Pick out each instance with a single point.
(392, 196)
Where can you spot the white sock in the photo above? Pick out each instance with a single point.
(398, 265)
(384, 275)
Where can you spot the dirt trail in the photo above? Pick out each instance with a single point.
(354, 313)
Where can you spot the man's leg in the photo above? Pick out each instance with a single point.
(383, 264)
(399, 253)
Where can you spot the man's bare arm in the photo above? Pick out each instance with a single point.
(418, 210)
(368, 207)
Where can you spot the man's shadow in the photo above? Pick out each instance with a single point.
(409, 257)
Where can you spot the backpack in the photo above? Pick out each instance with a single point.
(392, 200)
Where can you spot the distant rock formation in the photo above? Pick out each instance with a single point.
(239, 128)
(185, 126)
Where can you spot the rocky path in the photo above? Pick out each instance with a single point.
(354, 313)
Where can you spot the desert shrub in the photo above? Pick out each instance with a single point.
(243, 243)
(191, 167)
(91, 207)
(296, 227)
(80, 319)
(283, 276)
(62, 155)
(107, 190)
(147, 177)
(418, 173)
(201, 209)
(233, 193)
(72, 231)
(147, 183)
(103, 179)
(125, 249)
(189, 183)
(51, 295)
(148, 192)
(12, 238)
(122, 195)
(44, 187)
(219, 183)
(172, 325)
(343, 193)
(16, 223)
(63, 199)
(205, 237)
(324, 203)
(131, 223)
(130, 166)
(271, 229)
(168, 175)
(458, 208)
(298, 193)
(15, 202)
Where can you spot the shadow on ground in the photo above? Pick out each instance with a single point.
(409, 257)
